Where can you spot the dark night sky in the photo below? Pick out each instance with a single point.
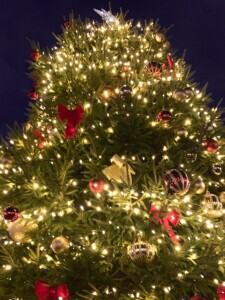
(199, 27)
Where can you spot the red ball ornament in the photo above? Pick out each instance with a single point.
(35, 55)
(67, 24)
(33, 95)
(11, 213)
(96, 185)
(164, 116)
(177, 182)
(210, 145)
(197, 297)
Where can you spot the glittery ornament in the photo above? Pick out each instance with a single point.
(154, 69)
(60, 244)
(19, 230)
(212, 205)
(33, 95)
(11, 213)
(179, 94)
(164, 116)
(141, 251)
(96, 185)
(210, 145)
(182, 132)
(160, 37)
(199, 186)
(189, 92)
(35, 55)
(126, 90)
(177, 182)
(107, 93)
(217, 169)
(107, 16)
(190, 157)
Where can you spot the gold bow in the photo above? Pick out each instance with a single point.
(120, 171)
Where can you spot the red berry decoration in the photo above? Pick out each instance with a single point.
(210, 145)
(164, 116)
(177, 182)
(33, 95)
(96, 185)
(11, 213)
(35, 55)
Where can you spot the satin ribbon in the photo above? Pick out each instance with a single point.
(172, 219)
(45, 292)
(73, 118)
(221, 292)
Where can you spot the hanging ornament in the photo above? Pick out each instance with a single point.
(222, 197)
(197, 297)
(177, 182)
(166, 45)
(154, 69)
(67, 24)
(189, 92)
(221, 292)
(19, 230)
(119, 171)
(217, 169)
(96, 185)
(35, 55)
(11, 213)
(210, 145)
(126, 69)
(160, 37)
(7, 162)
(199, 186)
(179, 94)
(60, 244)
(190, 157)
(107, 93)
(107, 16)
(182, 132)
(141, 251)
(126, 90)
(26, 127)
(212, 205)
(164, 116)
(33, 95)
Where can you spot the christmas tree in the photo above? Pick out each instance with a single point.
(114, 189)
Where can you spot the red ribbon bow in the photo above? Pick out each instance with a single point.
(73, 118)
(173, 218)
(45, 292)
(221, 292)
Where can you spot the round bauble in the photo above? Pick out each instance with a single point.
(222, 197)
(177, 182)
(212, 205)
(125, 90)
(197, 297)
(11, 213)
(107, 93)
(164, 116)
(67, 24)
(182, 132)
(179, 94)
(189, 92)
(166, 45)
(154, 69)
(19, 230)
(217, 169)
(60, 244)
(96, 185)
(190, 157)
(210, 145)
(160, 37)
(199, 186)
(35, 55)
(141, 251)
(33, 95)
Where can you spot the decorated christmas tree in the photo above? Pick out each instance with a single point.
(114, 189)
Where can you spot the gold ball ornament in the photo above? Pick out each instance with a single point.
(60, 244)
(189, 92)
(179, 94)
(19, 230)
(222, 197)
(107, 93)
(212, 205)
(141, 251)
(166, 45)
(199, 186)
(160, 37)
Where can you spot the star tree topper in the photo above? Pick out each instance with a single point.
(107, 16)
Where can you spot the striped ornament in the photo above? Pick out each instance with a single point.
(177, 182)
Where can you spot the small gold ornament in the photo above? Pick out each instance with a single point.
(19, 230)
(212, 206)
(160, 37)
(107, 93)
(60, 244)
(141, 251)
(27, 126)
(199, 186)
(120, 171)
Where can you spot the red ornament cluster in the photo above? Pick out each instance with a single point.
(210, 145)
(164, 116)
(11, 213)
(96, 185)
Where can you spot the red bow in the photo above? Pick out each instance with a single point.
(221, 292)
(73, 118)
(173, 218)
(45, 292)
(169, 64)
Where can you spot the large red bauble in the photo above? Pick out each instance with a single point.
(11, 213)
(96, 185)
(33, 95)
(197, 297)
(164, 116)
(210, 145)
(177, 182)
(35, 55)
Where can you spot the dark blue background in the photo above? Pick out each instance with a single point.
(199, 27)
